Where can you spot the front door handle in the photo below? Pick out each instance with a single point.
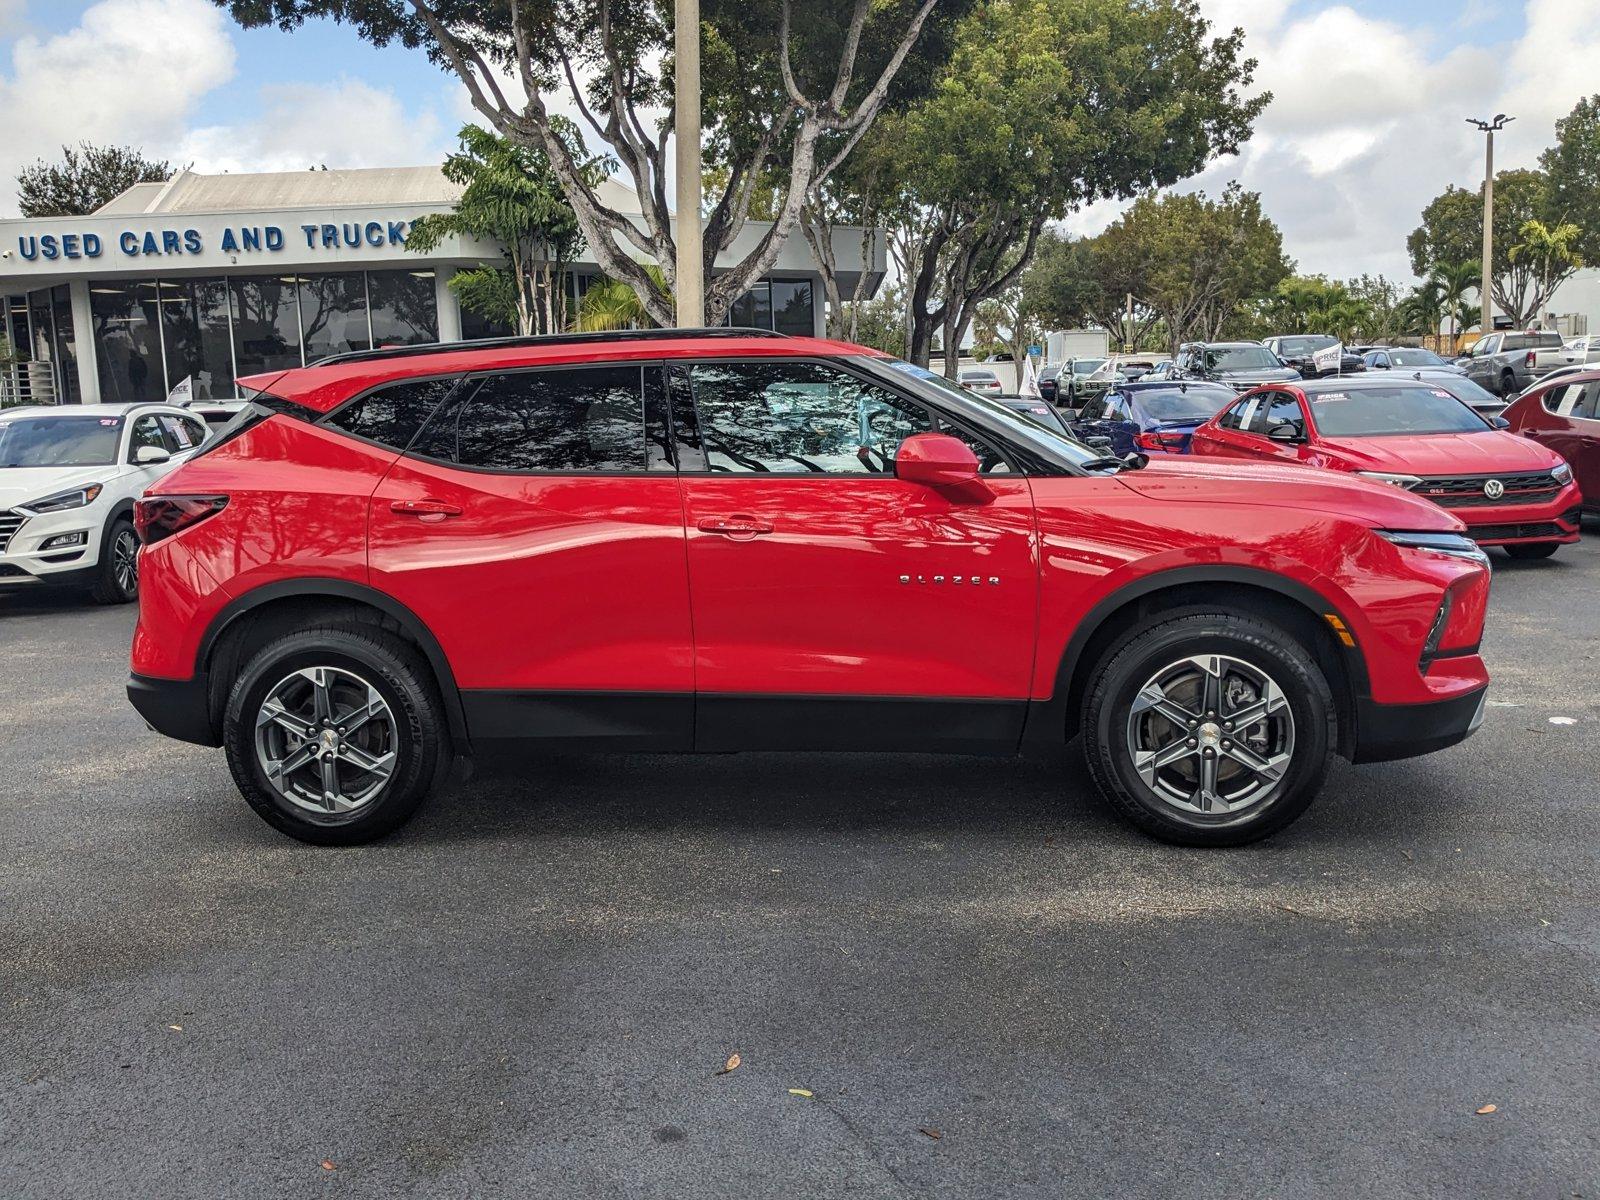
(431, 511)
(739, 527)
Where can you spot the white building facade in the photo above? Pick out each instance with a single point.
(213, 277)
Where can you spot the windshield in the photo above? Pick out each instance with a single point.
(1382, 411)
(1087, 366)
(1304, 345)
(1240, 358)
(1465, 389)
(1178, 404)
(982, 376)
(1416, 358)
(1027, 429)
(59, 441)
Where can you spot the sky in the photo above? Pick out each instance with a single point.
(1365, 127)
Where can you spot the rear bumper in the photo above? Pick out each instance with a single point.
(1385, 732)
(178, 708)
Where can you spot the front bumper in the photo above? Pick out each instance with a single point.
(1386, 732)
(24, 563)
(1559, 520)
(177, 708)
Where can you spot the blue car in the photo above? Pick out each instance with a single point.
(1152, 418)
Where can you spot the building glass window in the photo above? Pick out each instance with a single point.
(66, 345)
(128, 339)
(475, 326)
(753, 310)
(792, 310)
(405, 311)
(266, 324)
(333, 314)
(195, 328)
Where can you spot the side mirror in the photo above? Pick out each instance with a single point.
(1285, 432)
(1378, 366)
(1098, 443)
(940, 461)
(1500, 422)
(149, 456)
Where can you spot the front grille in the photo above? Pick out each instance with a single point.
(1466, 491)
(1535, 529)
(10, 522)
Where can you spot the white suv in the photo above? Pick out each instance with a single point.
(68, 478)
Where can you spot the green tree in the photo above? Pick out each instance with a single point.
(1572, 166)
(881, 321)
(1542, 259)
(789, 86)
(612, 304)
(1193, 261)
(511, 197)
(84, 179)
(1454, 281)
(1046, 105)
(1452, 232)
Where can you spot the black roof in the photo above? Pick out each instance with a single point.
(546, 339)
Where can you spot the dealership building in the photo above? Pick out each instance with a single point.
(212, 277)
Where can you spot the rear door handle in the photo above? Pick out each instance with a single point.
(739, 527)
(431, 511)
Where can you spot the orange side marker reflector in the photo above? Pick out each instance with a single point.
(1338, 627)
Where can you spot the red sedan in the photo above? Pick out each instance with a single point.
(1564, 415)
(1507, 490)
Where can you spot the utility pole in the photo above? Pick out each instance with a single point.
(691, 289)
(1488, 129)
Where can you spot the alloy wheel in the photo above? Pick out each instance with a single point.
(326, 740)
(1211, 735)
(125, 563)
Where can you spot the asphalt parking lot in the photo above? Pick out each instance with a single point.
(944, 977)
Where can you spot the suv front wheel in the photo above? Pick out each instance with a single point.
(336, 734)
(1209, 729)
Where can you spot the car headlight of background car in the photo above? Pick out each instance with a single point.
(62, 501)
(1400, 481)
(1562, 474)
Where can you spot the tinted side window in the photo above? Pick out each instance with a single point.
(1231, 418)
(1284, 410)
(392, 415)
(1585, 407)
(569, 420)
(796, 417)
(146, 433)
(1556, 397)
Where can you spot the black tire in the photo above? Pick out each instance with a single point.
(1508, 385)
(1532, 550)
(117, 580)
(1258, 647)
(418, 738)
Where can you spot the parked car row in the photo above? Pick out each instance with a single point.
(1517, 479)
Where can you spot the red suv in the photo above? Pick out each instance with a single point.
(1417, 436)
(1563, 415)
(720, 540)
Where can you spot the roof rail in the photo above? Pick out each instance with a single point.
(545, 339)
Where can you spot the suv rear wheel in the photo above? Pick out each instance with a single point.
(1209, 729)
(336, 734)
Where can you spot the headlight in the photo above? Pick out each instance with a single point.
(61, 501)
(1400, 481)
(1562, 474)
(1456, 544)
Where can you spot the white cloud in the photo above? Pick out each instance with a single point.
(294, 132)
(131, 71)
(1367, 122)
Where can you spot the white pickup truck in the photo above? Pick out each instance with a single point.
(1506, 363)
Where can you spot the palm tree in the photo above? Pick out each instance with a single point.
(612, 304)
(1453, 281)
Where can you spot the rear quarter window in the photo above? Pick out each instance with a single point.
(392, 415)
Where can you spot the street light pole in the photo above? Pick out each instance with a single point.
(1488, 128)
(691, 284)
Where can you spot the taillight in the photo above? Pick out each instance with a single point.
(160, 517)
(1158, 441)
(1531, 359)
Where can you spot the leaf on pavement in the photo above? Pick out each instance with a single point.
(731, 1065)
(932, 1133)
(1486, 1110)
(800, 1092)
(327, 1165)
